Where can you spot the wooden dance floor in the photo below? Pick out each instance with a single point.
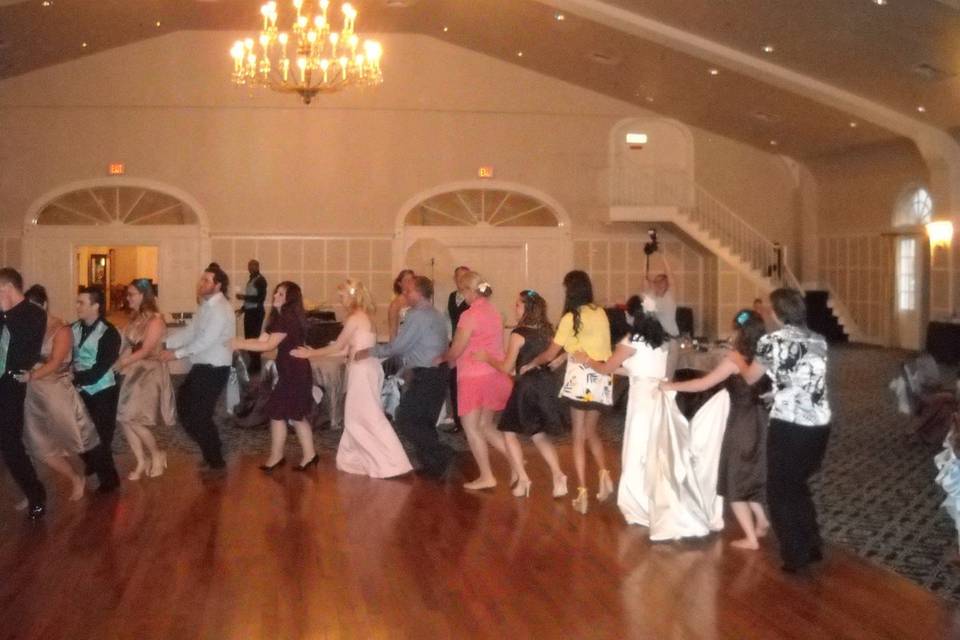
(327, 555)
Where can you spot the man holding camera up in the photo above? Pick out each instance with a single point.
(658, 299)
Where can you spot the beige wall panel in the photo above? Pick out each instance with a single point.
(359, 256)
(221, 252)
(268, 253)
(381, 255)
(337, 256)
(581, 254)
(291, 255)
(314, 255)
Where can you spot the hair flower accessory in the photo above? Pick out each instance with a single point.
(483, 287)
(352, 291)
(742, 318)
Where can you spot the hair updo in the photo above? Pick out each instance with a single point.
(471, 281)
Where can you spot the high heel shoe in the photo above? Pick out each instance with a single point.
(580, 502)
(158, 465)
(560, 488)
(137, 473)
(606, 485)
(522, 489)
(312, 462)
(268, 468)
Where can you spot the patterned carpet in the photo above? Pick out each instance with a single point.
(876, 493)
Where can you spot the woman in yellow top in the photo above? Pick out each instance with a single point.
(583, 327)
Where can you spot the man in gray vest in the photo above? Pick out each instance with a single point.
(96, 347)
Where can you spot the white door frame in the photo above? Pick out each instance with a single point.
(59, 271)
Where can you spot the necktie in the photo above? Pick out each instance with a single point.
(4, 347)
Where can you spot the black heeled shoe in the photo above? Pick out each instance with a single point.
(269, 468)
(36, 511)
(312, 462)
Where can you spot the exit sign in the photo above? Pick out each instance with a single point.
(116, 168)
(485, 171)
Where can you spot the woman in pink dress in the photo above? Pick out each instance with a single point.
(482, 390)
(369, 446)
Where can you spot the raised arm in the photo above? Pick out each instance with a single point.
(340, 346)
(721, 372)
(62, 345)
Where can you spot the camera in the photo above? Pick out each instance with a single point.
(652, 246)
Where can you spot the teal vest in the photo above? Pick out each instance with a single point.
(85, 356)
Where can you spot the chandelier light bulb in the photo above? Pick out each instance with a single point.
(318, 46)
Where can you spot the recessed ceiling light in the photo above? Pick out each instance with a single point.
(559, 16)
(84, 45)
(879, 3)
(769, 48)
(773, 143)
(922, 109)
(714, 72)
(519, 54)
(649, 98)
(445, 29)
(47, 3)
(158, 23)
(853, 125)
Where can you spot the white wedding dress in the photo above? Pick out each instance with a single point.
(669, 477)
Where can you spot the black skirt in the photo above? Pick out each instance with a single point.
(534, 405)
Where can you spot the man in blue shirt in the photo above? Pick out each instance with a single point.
(422, 339)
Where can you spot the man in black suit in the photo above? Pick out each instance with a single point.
(456, 305)
(253, 298)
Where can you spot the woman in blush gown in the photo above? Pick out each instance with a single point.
(57, 426)
(368, 446)
(668, 480)
(742, 475)
(146, 393)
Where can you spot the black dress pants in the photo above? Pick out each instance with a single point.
(453, 397)
(794, 453)
(417, 416)
(102, 408)
(252, 327)
(196, 401)
(12, 395)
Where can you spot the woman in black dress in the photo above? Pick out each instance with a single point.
(534, 407)
(741, 479)
(291, 399)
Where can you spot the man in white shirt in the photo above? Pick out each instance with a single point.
(659, 300)
(205, 341)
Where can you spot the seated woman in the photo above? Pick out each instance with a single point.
(369, 446)
(742, 475)
(669, 465)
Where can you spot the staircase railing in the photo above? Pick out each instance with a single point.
(649, 187)
(764, 256)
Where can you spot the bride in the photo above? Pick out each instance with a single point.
(669, 476)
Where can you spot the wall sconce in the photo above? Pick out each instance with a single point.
(940, 233)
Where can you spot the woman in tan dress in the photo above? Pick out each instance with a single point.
(146, 394)
(57, 427)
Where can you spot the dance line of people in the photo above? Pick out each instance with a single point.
(64, 388)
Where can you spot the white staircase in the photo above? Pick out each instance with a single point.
(671, 196)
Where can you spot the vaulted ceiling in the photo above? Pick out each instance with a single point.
(902, 55)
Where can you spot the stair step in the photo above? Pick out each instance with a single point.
(822, 319)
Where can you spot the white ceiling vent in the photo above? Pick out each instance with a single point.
(763, 116)
(931, 73)
(604, 57)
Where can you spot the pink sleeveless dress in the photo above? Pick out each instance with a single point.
(480, 386)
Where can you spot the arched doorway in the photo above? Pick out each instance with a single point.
(116, 213)
(516, 237)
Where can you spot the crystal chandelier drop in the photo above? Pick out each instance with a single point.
(311, 58)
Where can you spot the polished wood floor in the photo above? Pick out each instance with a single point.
(328, 555)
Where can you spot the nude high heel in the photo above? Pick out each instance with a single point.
(159, 464)
(522, 489)
(606, 485)
(580, 502)
(560, 488)
(137, 473)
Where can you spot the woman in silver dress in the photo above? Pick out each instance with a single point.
(57, 427)
(146, 394)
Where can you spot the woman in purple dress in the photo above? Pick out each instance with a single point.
(292, 398)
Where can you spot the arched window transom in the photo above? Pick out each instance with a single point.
(116, 205)
(914, 208)
(471, 207)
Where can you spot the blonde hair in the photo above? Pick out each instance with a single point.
(473, 281)
(360, 296)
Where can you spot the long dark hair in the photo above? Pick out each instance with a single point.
(397, 289)
(748, 328)
(579, 291)
(293, 306)
(534, 312)
(646, 326)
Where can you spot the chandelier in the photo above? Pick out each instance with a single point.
(311, 58)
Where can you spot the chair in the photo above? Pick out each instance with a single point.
(930, 403)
